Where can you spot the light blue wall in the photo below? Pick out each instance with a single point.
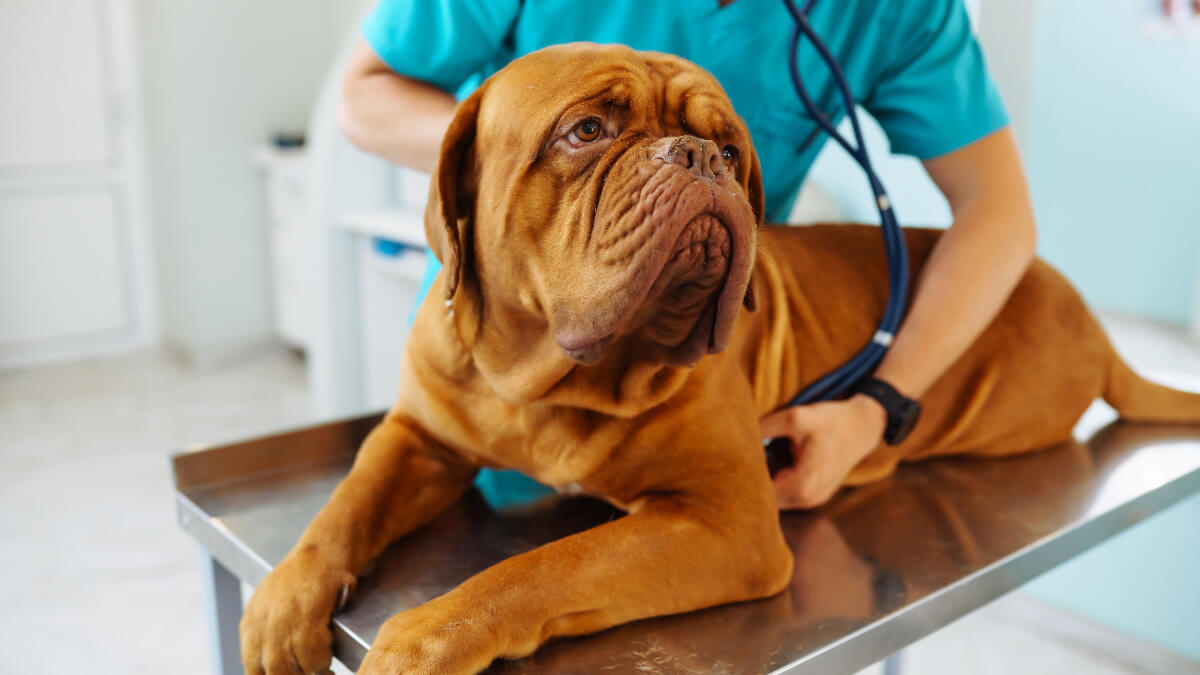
(1112, 148)
(1113, 153)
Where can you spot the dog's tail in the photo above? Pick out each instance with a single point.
(1137, 399)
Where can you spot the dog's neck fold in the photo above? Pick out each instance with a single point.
(518, 357)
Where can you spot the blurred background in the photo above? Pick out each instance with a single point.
(190, 252)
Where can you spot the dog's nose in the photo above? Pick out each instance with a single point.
(697, 155)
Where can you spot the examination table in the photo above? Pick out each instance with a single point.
(876, 569)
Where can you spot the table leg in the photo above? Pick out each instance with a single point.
(224, 600)
(893, 664)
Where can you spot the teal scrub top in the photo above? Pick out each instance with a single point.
(913, 64)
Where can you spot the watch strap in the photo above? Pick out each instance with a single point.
(902, 412)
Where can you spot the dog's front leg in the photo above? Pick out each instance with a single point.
(399, 481)
(673, 553)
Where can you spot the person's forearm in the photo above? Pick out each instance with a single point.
(974, 266)
(967, 279)
(396, 117)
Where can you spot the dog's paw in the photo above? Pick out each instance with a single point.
(285, 628)
(425, 641)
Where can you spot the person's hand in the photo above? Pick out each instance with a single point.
(828, 439)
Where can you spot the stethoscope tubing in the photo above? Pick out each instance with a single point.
(838, 382)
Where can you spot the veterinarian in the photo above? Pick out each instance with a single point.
(913, 64)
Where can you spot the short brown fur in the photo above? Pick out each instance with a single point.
(486, 383)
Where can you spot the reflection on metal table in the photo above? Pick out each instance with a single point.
(877, 569)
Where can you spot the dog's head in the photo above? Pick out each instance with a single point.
(603, 195)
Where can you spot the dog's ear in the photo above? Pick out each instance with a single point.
(451, 205)
(757, 198)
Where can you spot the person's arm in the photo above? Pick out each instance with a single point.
(966, 280)
(974, 266)
(399, 118)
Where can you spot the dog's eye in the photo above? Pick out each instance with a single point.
(729, 153)
(588, 130)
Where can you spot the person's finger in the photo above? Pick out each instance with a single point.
(786, 422)
(784, 488)
(796, 492)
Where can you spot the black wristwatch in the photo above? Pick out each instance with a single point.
(902, 412)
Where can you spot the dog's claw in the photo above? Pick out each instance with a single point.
(343, 597)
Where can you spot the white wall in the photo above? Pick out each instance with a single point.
(218, 77)
(75, 262)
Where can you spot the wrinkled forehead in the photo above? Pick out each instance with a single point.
(529, 95)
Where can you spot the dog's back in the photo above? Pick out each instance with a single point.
(1022, 385)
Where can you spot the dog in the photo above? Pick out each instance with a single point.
(613, 319)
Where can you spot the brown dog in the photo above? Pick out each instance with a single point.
(599, 240)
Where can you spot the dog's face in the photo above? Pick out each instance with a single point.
(605, 193)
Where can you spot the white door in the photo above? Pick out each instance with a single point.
(74, 244)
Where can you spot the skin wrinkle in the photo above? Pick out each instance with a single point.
(643, 209)
(639, 207)
(559, 128)
(596, 203)
(672, 306)
(632, 249)
(664, 202)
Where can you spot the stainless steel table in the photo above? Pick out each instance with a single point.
(876, 569)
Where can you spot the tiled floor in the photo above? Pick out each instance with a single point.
(97, 578)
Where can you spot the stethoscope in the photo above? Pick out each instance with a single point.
(838, 382)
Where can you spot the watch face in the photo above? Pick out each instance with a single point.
(906, 419)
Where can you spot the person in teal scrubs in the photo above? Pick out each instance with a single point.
(913, 64)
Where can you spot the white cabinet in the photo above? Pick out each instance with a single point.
(389, 277)
(390, 263)
(285, 177)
